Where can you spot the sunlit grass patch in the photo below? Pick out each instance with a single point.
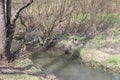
(23, 62)
(84, 51)
(113, 60)
(98, 18)
(100, 37)
(113, 18)
(102, 41)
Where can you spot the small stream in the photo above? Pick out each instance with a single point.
(67, 68)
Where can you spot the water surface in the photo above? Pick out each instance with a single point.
(67, 68)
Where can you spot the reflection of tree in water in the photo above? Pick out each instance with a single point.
(51, 61)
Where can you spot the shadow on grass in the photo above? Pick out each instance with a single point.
(19, 71)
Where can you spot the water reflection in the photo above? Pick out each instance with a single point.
(69, 69)
(82, 72)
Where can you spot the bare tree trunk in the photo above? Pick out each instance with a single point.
(9, 27)
(2, 28)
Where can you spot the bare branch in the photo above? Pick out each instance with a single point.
(16, 15)
(23, 23)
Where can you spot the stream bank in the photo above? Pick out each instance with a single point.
(100, 51)
(66, 67)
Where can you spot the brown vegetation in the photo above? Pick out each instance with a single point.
(55, 17)
(68, 16)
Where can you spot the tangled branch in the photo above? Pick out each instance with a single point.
(16, 15)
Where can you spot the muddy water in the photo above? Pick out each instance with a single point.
(67, 68)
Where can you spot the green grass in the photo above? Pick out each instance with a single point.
(98, 18)
(100, 37)
(114, 60)
(23, 62)
(84, 51)
(108, 17)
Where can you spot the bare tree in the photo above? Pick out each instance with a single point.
(7, 25)
(49, 18)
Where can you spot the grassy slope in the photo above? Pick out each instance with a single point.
(105, 49)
